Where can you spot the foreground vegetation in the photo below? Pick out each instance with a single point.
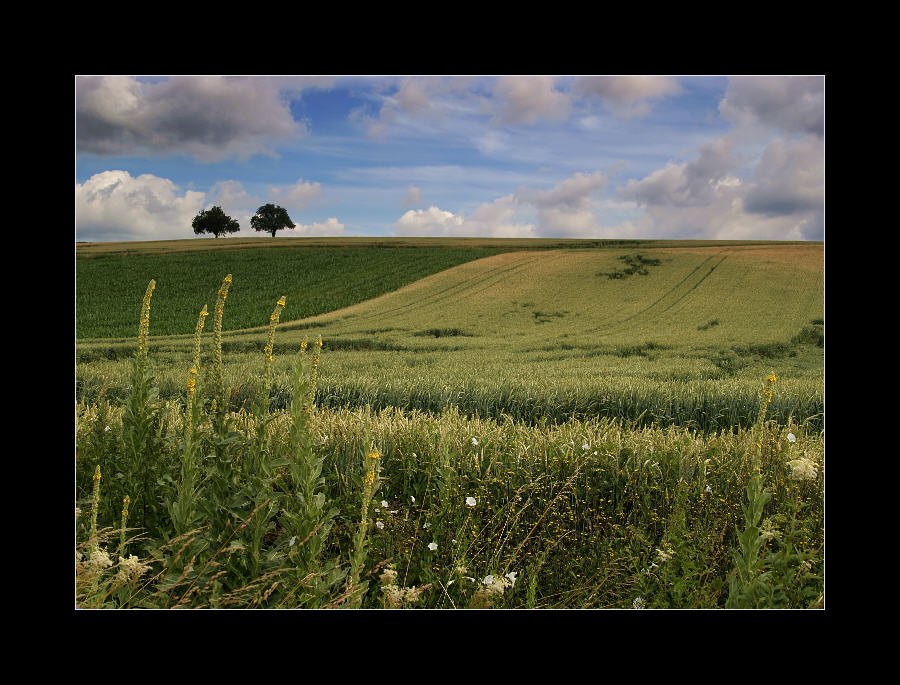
(193, 501)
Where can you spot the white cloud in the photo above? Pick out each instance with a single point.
(702, 199)
(113, 205)
(209, 117)
(529, 99)
(231, 197)
(624, 95)
(491, 219)
(330, 227)
(300, 195)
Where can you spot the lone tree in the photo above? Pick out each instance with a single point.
(271, 218)
(214, 221)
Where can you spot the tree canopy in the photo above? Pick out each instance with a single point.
(215, 221)
(271, 218)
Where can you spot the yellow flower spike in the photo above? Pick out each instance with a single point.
(771, 378)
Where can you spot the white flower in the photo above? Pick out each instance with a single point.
(384, 503)
(379, 525)
(100, 559)
(803, 469)
(426, 526)
(432, 546)
(470, 501)
(512, 577)
(664, 554)
(415, 456)
(585, 447)
(413, 499)
(488, 580)
(293, 540)
(791, 437)
(106, 429)
(450, 582)
(475, 442)
(708, 489)
(639, 603)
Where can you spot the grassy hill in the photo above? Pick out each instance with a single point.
(676, 329)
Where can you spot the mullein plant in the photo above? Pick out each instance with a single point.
(354, 589)
(260, 467)
(749, 581)
(306, 518)
(139, 424)
(183, 508)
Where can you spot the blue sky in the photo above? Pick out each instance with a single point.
(588, 156)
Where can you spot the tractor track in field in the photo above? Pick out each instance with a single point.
(643, 312)
(478, 282)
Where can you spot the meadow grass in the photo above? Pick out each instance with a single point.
(194, 501)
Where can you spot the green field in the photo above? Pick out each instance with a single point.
(567, 424)
(557, 332)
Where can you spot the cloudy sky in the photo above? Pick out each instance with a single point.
(719, 157)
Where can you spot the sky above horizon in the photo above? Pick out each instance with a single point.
(644, 157)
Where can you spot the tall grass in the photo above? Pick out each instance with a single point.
(310, 507)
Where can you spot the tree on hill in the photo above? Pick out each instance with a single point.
(271, 218)
(215, 221)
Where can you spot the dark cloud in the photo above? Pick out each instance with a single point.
(208, 117)
(792, 104)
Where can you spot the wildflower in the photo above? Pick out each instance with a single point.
(375, 454)
(512, 577)
(791, 437)
(106, 429)
(426, 526)
(384, 503)
(432, 546)
(803, 469)
(293, 540)
(379, 525)
(768, 530)
(708, 489)
(99, 559)
(639, 603)
(415, 456)
(585, 447)
(130, 569)
(475, 442)
(664, 555)
(470, 501)
(388, 576)
(413, 499)
(488, 580)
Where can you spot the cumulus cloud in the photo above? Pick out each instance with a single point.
(415, 97)
(792, 104)
(113, 205)
(209, 117)
(300, 195)
(491, 219)
(702, 199)
(627, 96)
(529, 99)
(566, 210)
(330, 227)
(688, 184)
